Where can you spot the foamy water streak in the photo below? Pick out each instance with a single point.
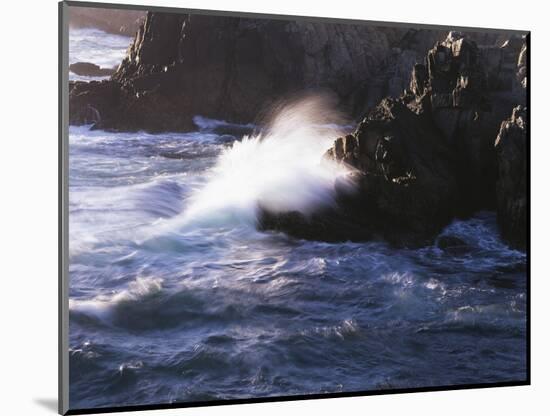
(280, 169)
(102, 305)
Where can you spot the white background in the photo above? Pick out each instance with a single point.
(28, 152)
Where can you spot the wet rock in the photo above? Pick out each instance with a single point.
(327, 225)
(472, 89)
(90, 101)
(231, 68)
(512, 204)
(428, 156)
(406, 188)
(88, 69)
(235, 69)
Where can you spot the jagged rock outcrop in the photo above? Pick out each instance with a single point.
(406, 187)
(232, 68)
(429, 155)
(472, 89)
(404, 174)
(512, 205)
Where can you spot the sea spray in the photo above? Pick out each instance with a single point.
(280, 169)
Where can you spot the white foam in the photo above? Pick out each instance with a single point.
(279, 170)
(102, 305)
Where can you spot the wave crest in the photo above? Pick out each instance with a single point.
(280, 169)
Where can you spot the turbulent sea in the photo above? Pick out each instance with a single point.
(176, 297)
(98, 47)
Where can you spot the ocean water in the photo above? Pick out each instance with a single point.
(98, 47)
(175, 296)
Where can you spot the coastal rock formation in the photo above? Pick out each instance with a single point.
(236, 69)
(406, 188)
(420, 157)
(512, 205)
(88, 69)
(85, 101)
(429, 155)
(233, 68)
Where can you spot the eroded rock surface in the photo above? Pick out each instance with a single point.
(512, 205)
(234, 68)
(429, 155)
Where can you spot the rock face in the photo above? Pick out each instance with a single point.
(88, 69)
(512, 205)
(429, 155)
(404, 173)
(235, 68)
(232, 68)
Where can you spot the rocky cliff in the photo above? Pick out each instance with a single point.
(430, 155)
(512, 150)
(232, 68)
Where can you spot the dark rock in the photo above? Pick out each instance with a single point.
(406, 184)
(429, 156)
(407, 181)
(88, 69)
(467, 112)
(409, 49)
(88, 101)
(235, 68)
(512, 204)
(472, 90)
(327, 225)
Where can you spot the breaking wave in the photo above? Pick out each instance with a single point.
(279, 169)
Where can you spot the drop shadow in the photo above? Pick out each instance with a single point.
(48, 404)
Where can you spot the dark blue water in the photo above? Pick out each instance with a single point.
(168, 306)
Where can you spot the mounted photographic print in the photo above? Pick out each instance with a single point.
(264, 207)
